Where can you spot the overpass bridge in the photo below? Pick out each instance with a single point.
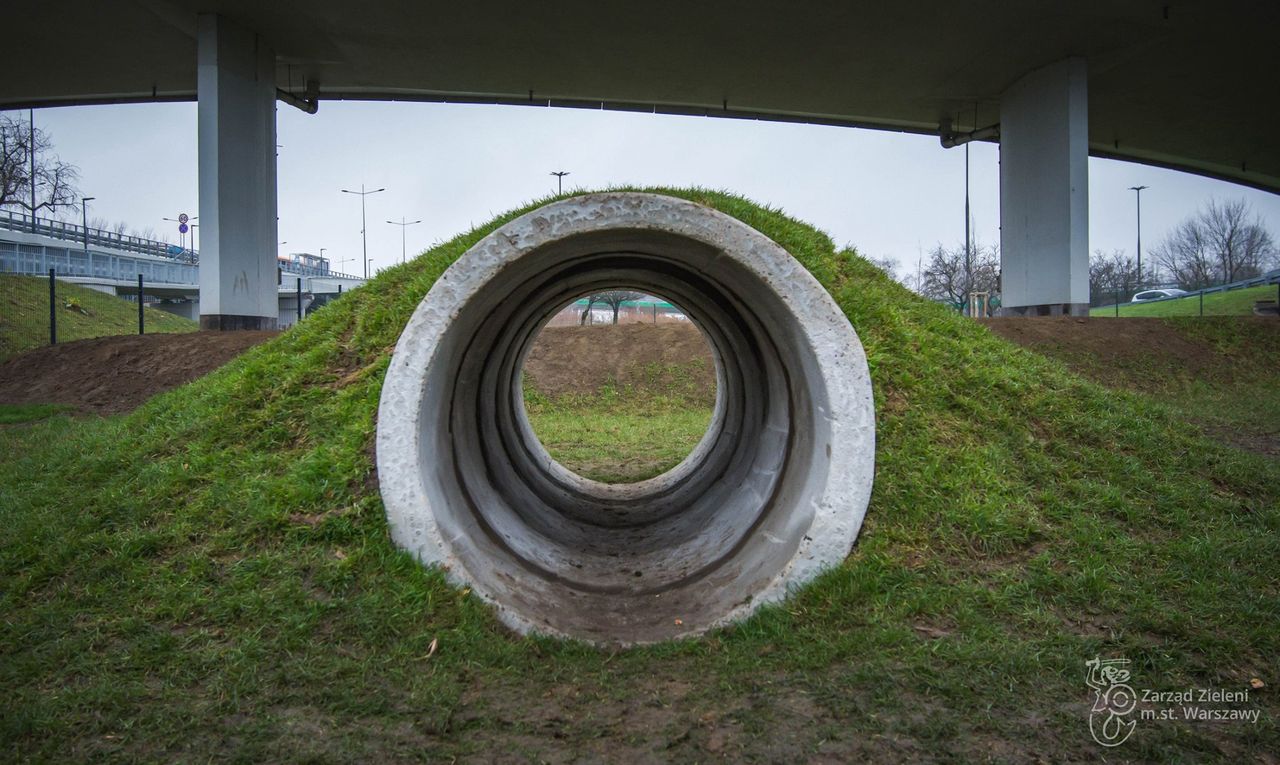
(110, 262)
(1175, 83)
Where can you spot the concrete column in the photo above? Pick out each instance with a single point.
(237, 147)
(1044, 192)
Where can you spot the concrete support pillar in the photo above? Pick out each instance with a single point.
(237, 147)
(1044, 192)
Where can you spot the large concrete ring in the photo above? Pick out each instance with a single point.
(774, 493)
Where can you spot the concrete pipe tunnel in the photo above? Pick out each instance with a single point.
(774, 493)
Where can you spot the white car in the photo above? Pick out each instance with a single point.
(1146, 295)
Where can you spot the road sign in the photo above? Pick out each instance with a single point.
(182, 228)
(182, 218)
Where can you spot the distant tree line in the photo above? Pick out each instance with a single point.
(1112, 277)
(947, 275)
(1225, 241)
(123, 229)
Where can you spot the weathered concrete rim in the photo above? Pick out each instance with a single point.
(756, 515)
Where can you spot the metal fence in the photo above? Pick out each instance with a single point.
(44, 310)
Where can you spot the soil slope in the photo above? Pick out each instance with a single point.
(109, 375)
(660, 357)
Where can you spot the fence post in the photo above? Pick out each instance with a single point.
(1202, 302)
(140, 327)
(53, 312)
(299, 293)
(1117, 304)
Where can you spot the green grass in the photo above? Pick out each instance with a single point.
(1233, 303)
(211, 578)
(618, 438)
(82, 313)
(18, 414)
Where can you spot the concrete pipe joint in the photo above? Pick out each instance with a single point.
(773, 494)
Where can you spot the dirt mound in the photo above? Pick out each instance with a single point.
(1110, 349)
(1206, 368)
(109, 375)
(671, 359)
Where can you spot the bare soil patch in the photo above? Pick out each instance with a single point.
(1111, 343)
(110, 375)
(582, 360)
(1219, 388)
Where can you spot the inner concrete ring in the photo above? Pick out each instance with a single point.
(774, 493)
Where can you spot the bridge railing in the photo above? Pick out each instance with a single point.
(36, 259)
(58, 229)
(289, 270)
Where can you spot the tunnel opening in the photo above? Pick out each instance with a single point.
(620, 385)
(772, 494)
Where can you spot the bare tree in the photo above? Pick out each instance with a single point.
(944, 276)
(586, 312)
(612, 298)
(1112, 276)
(55, 180)
(1223, 242)
(615, 298)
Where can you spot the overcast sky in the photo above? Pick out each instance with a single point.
(453, 165)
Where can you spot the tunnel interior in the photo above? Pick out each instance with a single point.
(587, 374)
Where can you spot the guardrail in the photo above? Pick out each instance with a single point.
(1270, 277)
(37, 259)
(97, 237)
(296, 269)
(71, 261)
(1261, 280)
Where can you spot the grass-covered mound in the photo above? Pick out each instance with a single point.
(211, 577)
(81, 313)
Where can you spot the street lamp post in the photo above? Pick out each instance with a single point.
(84, 221)
(364, 239)
(560, 174)
(403, 225)
(1138, 191)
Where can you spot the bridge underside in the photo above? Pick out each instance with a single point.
(1182, 85)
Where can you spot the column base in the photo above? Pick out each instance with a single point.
(1045, 309)
(227, 322)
